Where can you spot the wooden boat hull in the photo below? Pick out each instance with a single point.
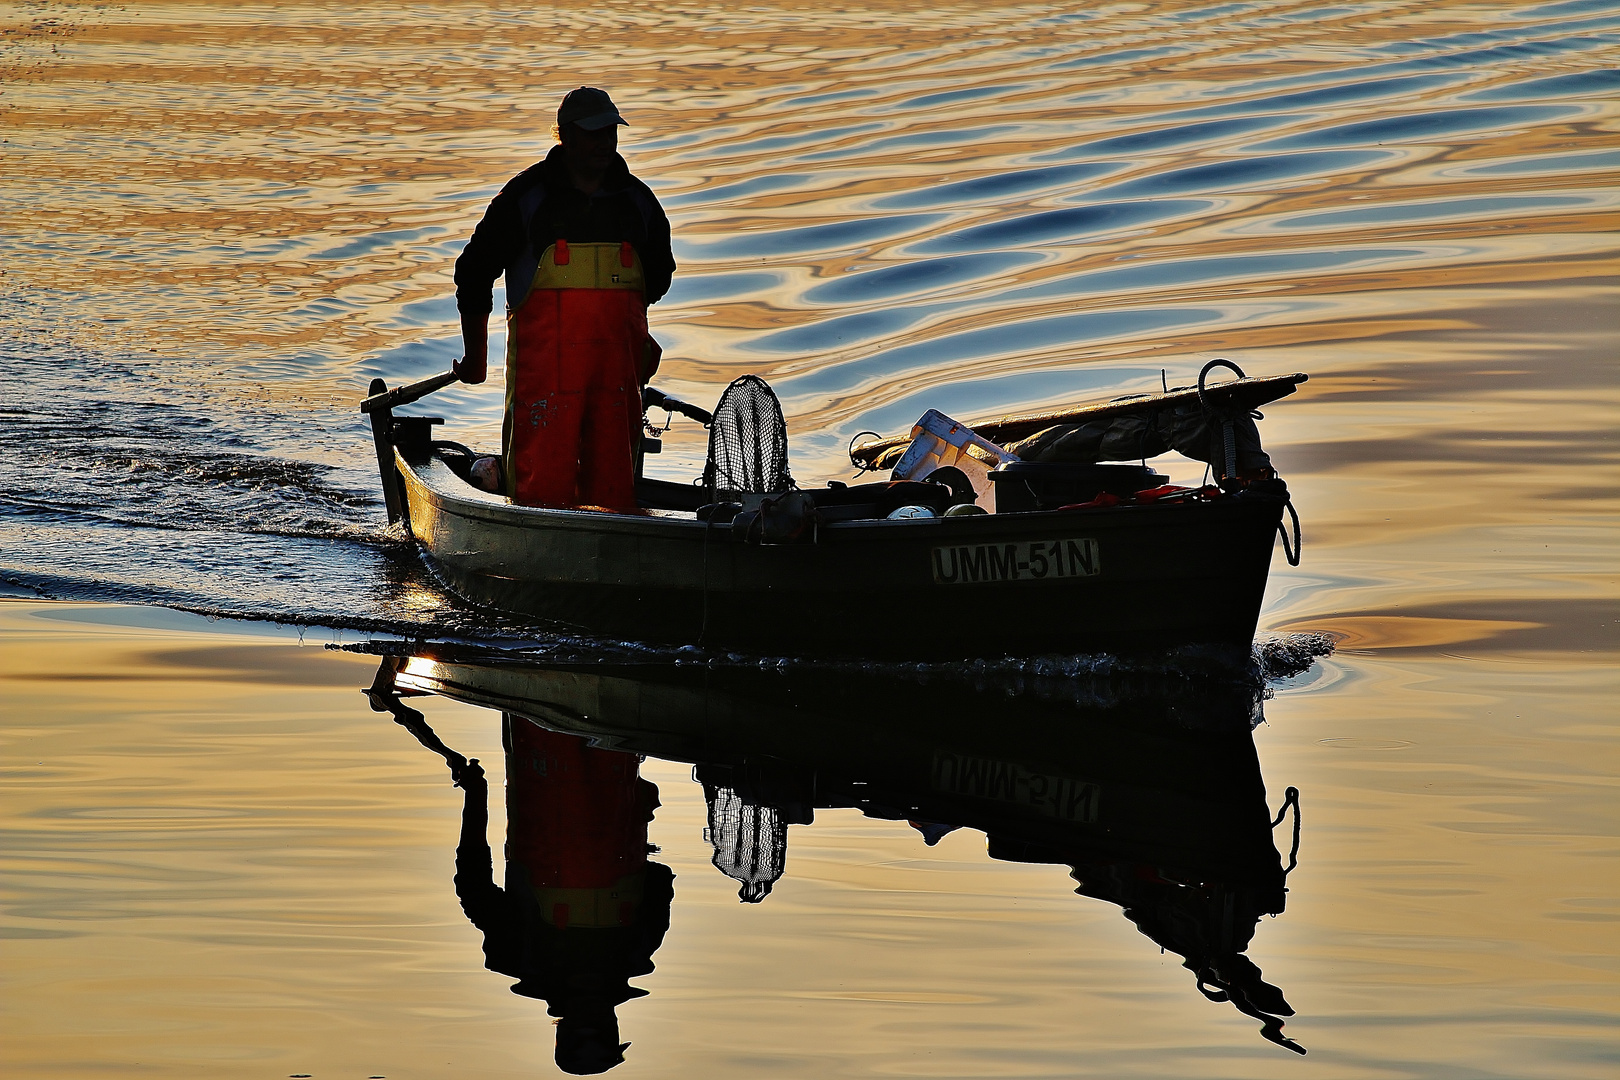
(1122, 579)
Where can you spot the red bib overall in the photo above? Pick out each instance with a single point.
(576, 820)
(574, 353)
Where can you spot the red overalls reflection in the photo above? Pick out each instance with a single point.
(583, 909)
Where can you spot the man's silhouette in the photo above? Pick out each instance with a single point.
(583, 909)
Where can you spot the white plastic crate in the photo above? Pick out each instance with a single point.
(938, 441)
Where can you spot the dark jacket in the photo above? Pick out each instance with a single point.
(540, 206)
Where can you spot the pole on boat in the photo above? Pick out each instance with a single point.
(386, 697)
(379, 405)
(382, 432)
(391, 399)
(653, 398)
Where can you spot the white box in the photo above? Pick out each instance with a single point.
(938, 441)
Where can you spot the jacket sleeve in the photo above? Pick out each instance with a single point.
(494, 244)
(658, 894)
(482, 900)
(658, 261)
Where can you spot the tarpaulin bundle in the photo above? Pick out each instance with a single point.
(1208, 422)
(1187, 428)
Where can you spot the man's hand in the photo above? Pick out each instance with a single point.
(471, 370)
(467, 774)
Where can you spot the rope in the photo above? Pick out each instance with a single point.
(703, 627)
(1293, 552)
(653, 429)
(1228, 436)
(858, 437)
(1204, 374)
(1290, 798)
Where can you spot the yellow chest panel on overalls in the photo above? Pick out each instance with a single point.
(588, 266)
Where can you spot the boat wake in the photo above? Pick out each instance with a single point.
(1271, 660)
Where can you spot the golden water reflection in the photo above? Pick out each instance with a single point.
(222, 859)
(296, 181)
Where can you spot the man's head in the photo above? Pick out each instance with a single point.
(588, 127)
(588, 1041)
(591, 109)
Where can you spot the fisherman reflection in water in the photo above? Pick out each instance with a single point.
(583, 909)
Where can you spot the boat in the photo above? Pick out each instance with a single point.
(1115, 561)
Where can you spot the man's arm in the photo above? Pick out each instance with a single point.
(480, 897)
(658, 260)
(473, 367)
(494, 244)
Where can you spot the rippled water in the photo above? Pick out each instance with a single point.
(222, 221)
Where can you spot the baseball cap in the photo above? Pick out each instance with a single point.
(590, 108)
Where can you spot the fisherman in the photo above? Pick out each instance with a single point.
(585, 248)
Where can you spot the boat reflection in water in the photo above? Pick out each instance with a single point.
(1149, 791)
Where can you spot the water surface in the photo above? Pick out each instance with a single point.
(223, 221)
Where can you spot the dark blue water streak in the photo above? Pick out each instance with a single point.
(1059, 226)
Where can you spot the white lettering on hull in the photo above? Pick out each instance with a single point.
(1026, 560)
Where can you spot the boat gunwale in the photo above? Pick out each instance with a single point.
(482, 507)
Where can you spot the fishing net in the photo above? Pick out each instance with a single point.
(750, 841)
(747, 442)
